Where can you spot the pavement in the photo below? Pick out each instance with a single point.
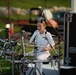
(48, 69)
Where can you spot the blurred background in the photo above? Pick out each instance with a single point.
(23, 15)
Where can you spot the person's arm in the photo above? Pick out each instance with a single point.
(47, 49)
(51, 43)
(50, 40)
(33, 37)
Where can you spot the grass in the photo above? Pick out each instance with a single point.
(35, 3)
(20, 17)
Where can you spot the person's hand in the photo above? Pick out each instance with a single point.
(46, 49)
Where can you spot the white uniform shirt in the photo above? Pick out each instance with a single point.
(42, 40)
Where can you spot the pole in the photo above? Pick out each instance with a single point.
(7, 31)
(8, 7)
(59, 51)
(23, 42)
(12, 60)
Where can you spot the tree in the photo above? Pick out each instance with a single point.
(7, 2)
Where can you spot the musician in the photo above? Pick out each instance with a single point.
(43, 38)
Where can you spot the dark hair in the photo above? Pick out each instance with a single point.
(43, 22)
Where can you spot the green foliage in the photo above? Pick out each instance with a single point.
(2, 26)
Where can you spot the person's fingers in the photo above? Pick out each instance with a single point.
(43, 50)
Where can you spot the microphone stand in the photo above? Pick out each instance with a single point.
(23, 52)
(23, 42)
(59, 51)
(12, 57)
(35, 48)
(35, 53)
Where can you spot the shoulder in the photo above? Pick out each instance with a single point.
(36, 32)
(48, 33)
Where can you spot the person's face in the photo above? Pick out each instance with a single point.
(40, 27)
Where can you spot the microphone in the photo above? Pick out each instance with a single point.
(57, 56)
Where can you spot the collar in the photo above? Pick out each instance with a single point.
(41, 34)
